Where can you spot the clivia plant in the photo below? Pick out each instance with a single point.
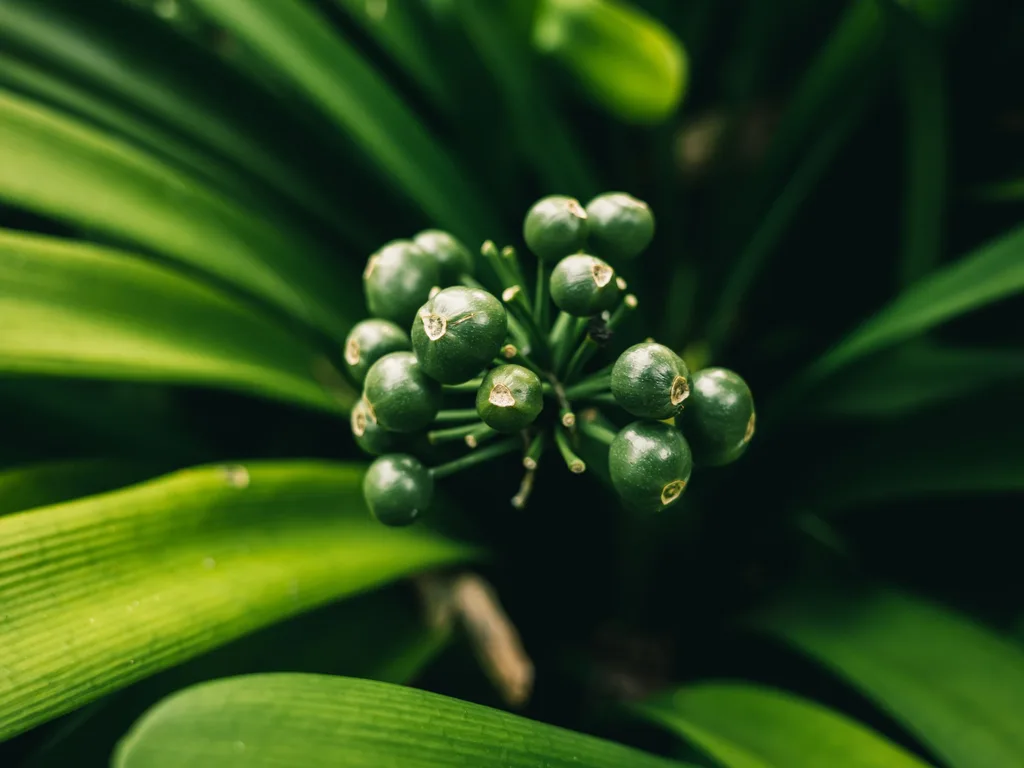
(524, 371)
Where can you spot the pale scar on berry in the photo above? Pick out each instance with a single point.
(352, 352)
(501, 396)
(435, 326)
(750, 428)
(603, 274)
(680, 390)
(577, 210)
(672, 491)
(358, 422)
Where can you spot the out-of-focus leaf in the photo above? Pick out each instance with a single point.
(54, 165)
(913, 377)
(337, 80)
(100, 592)
(37, 485)
(1002, 192)
(626, 60)
(991, 272)
(543, 136)
(72, 309)
(377, 636)
(316, 720)
(747, 726)
(924, 97)
(956, 686)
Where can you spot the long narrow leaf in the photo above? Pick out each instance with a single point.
(304, 47)
(53, 165)
(956, 686)
(314, 721)
(37, 485)
(101, 592)
(71, 309)
(747, 726)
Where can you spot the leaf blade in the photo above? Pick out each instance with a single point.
(103, 591)
(52, 482)
(343, 722)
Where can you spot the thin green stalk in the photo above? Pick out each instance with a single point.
(533, 454)
(511, 261)
(541, 301)
(476, 457)
(455, 433)
(587, 349)
(575, 464)
(592, 428)
(519, 307)
(459, 414)
(467, 386)
(592, 385)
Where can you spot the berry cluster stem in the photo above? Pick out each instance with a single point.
(575, 464)
(476, 457)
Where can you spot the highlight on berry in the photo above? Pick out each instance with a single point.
(474, 354)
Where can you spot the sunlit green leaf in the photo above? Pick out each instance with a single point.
(314, 720)
(72, 309)
(747, 726)
(104, 591)
(623, 58)
(36, 485)
(54, 165)
(956, 686)
(337, 80)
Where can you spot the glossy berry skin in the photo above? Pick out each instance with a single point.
(583, 285)
(370, 436)
(555, 227)
(400, 394)
(397, 489)
(452, 257)
(620, 227)
(368, 342)
(718, 419)
(650, 381)
(458, 332)
(650, 465)
(398, 279)
(510, 398)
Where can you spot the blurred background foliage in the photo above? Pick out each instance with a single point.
(188, 192)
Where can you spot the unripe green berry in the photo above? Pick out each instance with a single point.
(458, 332)
(650, 381)
(650, 464)
(583, 285)
(370, 436)
(510, 398)
(397, 489)
(555, 227)
(368, 342)
(719, 418)
(398, 279)
(400, 394)
(453, 258)
(619, 226)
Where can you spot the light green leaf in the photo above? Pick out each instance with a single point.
(912, 377)
(305, 48)
(958, 687)
(71, 309)
(992, 272)
(51, 164)
(380, 636)
(748, 726)
(36, 485)
(313, 720)
(101, 592)
(626, 60)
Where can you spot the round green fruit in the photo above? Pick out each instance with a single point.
(650, 465)
(401, 397)
(368, 342)
(370, 436)
(719, 418)
(555, 227)
(583, 285)
(650, 381)
(453, 258)
(510, 398)
(458, 332)
(619, 226)
(398, 279)
(397, 489)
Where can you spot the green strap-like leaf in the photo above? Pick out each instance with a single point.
(103, 591)
(992, 272)
(54, 165)
(313, 55)
(71, 309)
(747, 726)
(51, 482)
(956, 686)
(313, 721)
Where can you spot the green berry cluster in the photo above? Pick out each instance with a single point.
(445, 360)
